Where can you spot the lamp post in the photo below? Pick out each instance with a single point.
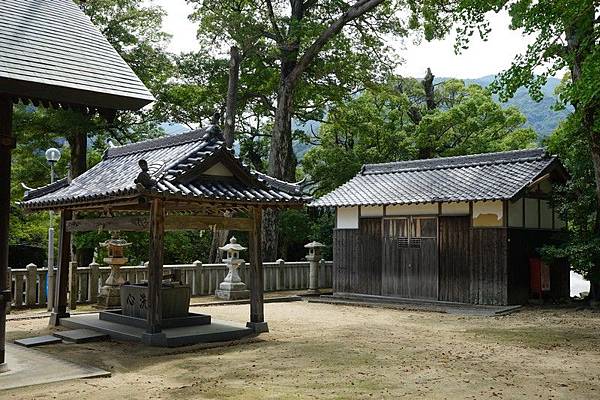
(52, 156)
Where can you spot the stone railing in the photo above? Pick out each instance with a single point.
(29, 284)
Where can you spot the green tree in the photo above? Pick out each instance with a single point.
(296, 57)
(324, 48)
(394, 122)
(577, 199)
(565, 34)
(134, 29)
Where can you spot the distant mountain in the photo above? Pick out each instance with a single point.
(540, 116)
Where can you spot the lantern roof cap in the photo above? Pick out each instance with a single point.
(232, 245)
(313, 245)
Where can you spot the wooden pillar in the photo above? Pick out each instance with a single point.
(153, 335)
(59, 308)
(256, 279)
(7, 143)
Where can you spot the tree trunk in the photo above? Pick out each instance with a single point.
(219, 239)
(232, 89)
(282, 161)
(427, 150)
(427, 83)
(78, 164)
(78, 145)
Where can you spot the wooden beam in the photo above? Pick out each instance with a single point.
(7, 143)
(192, 222)
(155, 266)
(257, 315)
(172, 223)
(59, 309)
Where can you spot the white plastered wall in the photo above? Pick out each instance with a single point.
(545, 215)
(347, 217)
(455, 208)
(371, 211)
(218, 170)
(412, 209)
(488, 213)
(515, 213)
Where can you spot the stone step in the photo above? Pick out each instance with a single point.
(38, 341)
(82, 336)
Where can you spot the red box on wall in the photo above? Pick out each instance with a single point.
(540, 277)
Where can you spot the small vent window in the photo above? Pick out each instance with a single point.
(409, 232)
(415, 243)
(403, 242)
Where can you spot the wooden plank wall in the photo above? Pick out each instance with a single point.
(523, 244)
(455, 266)
(476, 265)
(488, 266)
(425, 271)
(357, 255)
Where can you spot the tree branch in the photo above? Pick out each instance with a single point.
(358, 9)
(278, 37)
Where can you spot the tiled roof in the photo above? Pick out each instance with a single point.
(492, 176)
(51, 51)
(175, 162)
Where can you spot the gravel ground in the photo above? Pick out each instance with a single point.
(337, 352)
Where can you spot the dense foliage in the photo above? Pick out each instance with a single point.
(565, 34)
(392, 122)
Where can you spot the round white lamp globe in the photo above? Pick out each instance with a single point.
(52, 155)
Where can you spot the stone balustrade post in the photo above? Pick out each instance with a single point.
(73, 285)
(197, 278)
(322, 276)
(279, 274)
(93, 284)
(31, 284)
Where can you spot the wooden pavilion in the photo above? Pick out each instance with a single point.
(190, 181)
(51, 55)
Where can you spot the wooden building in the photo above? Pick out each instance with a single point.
(51, 55)
(190, 181)
(459, 229)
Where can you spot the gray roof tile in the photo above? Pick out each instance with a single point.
(50, 50)
(169, 159)
(491, 176)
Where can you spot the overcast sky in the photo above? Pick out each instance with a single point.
(482, 58)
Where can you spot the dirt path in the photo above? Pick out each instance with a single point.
(332, 352)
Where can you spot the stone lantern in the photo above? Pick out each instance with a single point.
(110, 296)
(232, 287)
(313, 257)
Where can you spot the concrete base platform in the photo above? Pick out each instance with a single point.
(414, 304)
(28, 367)
(216, 331)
